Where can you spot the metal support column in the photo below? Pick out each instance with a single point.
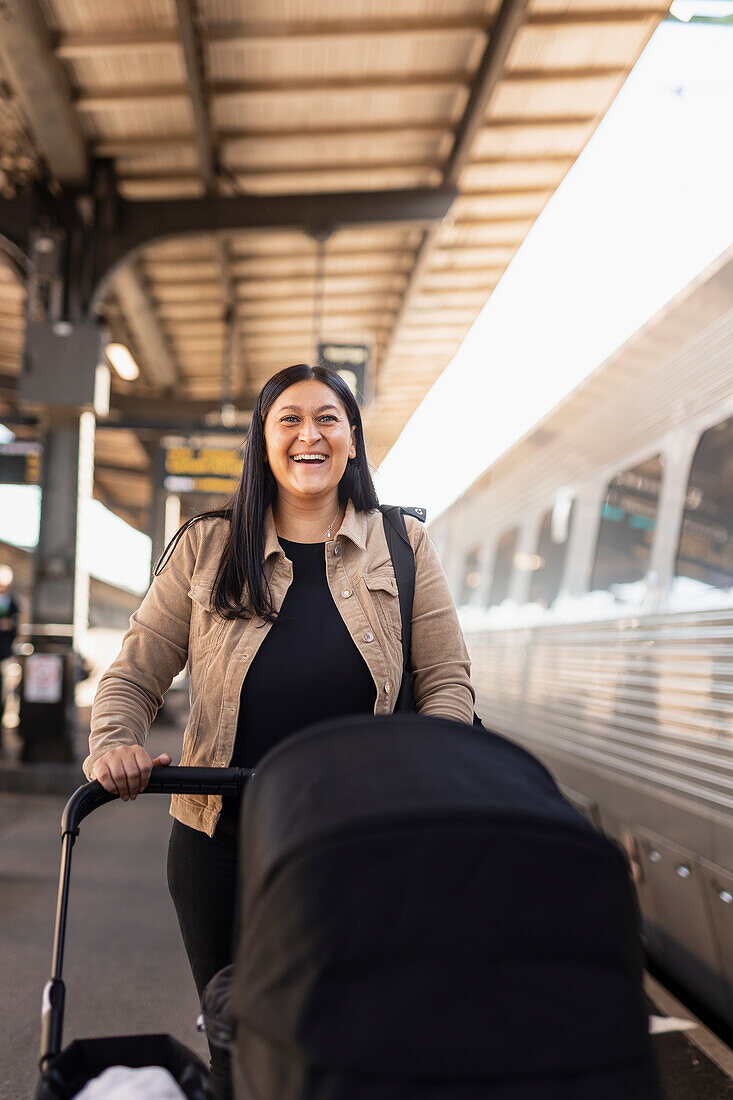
(157, 526)
(48, 725)
(64, 378)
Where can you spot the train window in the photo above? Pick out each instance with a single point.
(549, 561)
(503, 566)
(628, 519)
(472, 574)
(705, 553)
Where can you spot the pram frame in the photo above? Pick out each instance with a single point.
(86, 799)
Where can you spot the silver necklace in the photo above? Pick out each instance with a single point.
(330, 526)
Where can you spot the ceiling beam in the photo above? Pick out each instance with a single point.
(301, 256)
(130, 146)
(538, 122)
(158, 364)
(182, 278)
(490, 72)
(180, 415)
(171, 274)
(384, 299)
(37, 77)
(247, 172)
(73, 46)
(336, 315)
(135, 407)
(173, 176)
(206, 152)
(197, 92)
(141, 223)
(149, 95)
(110, 99)
(564, 75)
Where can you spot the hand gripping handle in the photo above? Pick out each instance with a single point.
(89, 797)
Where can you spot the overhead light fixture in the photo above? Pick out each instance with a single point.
(121, 359)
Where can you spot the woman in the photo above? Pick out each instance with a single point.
(285, 606)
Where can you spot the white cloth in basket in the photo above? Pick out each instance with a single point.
(123, 1083)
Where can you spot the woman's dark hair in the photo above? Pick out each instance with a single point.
(241, 589)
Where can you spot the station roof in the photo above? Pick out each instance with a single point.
(323, 97)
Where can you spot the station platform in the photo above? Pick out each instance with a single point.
(694, 1064)
(125, 968)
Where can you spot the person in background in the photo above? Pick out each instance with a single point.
(285, 605)
(8, 613)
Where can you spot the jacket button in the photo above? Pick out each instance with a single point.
(388, 687)
(337, 551)
(368, 637)
(346, 592)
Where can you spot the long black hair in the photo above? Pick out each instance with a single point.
(241, 589)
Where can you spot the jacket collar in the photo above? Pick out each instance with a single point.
(353, 528)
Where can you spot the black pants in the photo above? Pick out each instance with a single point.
(202, 878)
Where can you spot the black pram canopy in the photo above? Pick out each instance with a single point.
(424, 915)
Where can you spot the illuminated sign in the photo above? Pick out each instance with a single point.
(201, 470)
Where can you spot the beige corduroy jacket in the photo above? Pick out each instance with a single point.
(175, 623)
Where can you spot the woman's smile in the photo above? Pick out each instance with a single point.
(310, 459)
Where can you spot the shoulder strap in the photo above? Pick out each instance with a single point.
(403, 562)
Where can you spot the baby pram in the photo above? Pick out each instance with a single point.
(64, 1073)
(423, 915)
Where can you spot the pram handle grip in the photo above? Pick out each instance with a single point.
(90, 796)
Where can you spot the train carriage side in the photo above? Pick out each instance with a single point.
(593, 567)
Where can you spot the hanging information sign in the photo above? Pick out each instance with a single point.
(350, 361)
(201, 470)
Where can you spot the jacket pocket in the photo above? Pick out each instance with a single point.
(382, 588)
(206, 626)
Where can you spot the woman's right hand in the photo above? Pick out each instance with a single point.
(126, 770)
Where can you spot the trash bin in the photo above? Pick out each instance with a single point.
(47, 709)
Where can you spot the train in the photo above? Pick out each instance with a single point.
(592, 565)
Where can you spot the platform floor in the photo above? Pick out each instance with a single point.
(694, 1063)
(125, 968)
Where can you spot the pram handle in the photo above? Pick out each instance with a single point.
(89, 797)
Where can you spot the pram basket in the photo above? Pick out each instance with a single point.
(63, 1072)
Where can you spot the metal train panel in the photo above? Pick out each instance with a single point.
(626, 690)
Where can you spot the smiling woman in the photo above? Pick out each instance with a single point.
(285, 605)
(309, 441)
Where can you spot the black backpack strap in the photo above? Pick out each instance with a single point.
(403, 563)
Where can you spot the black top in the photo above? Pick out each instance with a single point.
(307, 669)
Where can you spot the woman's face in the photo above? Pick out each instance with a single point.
(308, 440)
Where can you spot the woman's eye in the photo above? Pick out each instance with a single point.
(328, 416)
